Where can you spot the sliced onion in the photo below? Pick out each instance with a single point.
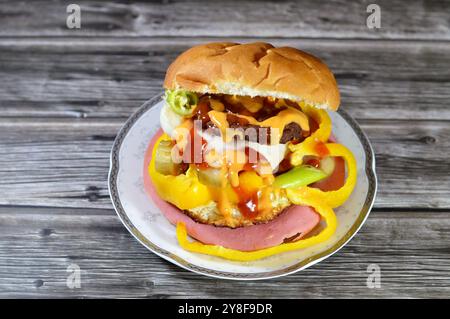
(327, 165)
(210, 176)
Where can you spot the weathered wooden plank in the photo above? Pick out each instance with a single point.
(63, 102)
(37, 246)
(307, 19)
(111, 78)
(64, 162)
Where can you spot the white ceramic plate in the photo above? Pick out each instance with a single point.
(146, 222)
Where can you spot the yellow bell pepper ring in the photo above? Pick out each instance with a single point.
(184, 191)
(338, 197)
(322, 119)
(237, 255)
(322, 134)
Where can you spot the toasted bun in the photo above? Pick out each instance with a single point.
(254, 69)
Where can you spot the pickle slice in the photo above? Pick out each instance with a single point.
(163, 160)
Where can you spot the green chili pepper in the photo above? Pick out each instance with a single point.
(182, 102)
(299, 176)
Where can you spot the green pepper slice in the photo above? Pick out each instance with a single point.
(299, 176)
(182, 102)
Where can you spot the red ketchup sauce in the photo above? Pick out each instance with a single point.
(321, 149)
(248, 203)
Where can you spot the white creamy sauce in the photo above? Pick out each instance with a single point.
(274, 154)
(169, 120)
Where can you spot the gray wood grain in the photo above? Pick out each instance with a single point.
(110, 78)
(64, 94)
(426, 20)
(37, 246)
(64, 101)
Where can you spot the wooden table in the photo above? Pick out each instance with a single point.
(64, 94)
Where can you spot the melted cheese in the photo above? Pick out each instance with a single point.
(216, 105)
(236, 160)
(251, 104)
(276, 123)
(223, 195)
(220, 120)
(181, 134)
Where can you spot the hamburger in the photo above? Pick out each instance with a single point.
(245, 162)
